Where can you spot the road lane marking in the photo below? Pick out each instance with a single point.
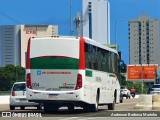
(81, 118)
(94, 114)
(127, 103)
(69, 118)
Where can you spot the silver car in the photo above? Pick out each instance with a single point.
(18, 97)
(155, 89)
(125, 92)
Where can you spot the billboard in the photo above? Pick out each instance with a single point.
(146, 72)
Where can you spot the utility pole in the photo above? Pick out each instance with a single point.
(142, 76)
(71, 18)
(77, 22)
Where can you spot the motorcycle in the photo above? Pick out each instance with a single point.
(133, 95)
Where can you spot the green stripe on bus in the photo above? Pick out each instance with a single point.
(88, 73)
(54, 63)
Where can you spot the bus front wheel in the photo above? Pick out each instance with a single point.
(94, 107)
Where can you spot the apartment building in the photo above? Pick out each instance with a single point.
(144, 40)
(14, 39)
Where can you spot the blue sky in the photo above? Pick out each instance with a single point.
(56, 12)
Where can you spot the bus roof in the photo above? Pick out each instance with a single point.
(87, 40)
(93, 42)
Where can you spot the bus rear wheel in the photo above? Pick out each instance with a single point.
(48, 108)
(40, 106)
(111, 106)
(71, 107)
(12, 107)
(94, 107)
(22, 108)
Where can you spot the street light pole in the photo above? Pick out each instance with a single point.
(142, 76)
(70, 17)
(77, 22)
(116, 34)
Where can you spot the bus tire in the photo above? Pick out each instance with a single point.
(111, 106)
(12, 107)
(86, 108)
(22, 108)
(49, 108)
(40, 106)
(71, 107)
(94, 107)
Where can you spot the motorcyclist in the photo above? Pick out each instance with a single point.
(133, 92)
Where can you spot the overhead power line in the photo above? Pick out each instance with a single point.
(10, 18)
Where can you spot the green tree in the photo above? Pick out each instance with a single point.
(136, 85)
(10, 74)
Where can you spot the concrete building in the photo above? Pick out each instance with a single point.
(10, 45)
(144, 40)
(96, 20)
(28, 31)
(14, 41)
(113, 46)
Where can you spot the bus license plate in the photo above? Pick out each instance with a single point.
(52, 96)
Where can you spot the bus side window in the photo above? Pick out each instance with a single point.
(112, 63)
(104, 60)
(99, 59)
(86, 55)
(107, 61)
(96, 64)
(89, 57)
(94, 53)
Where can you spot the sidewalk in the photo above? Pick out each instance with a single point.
(4, 99)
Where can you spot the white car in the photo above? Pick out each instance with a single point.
(155, 89)
(18, 97)
(125, 92)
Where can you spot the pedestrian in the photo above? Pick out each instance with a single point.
(133, 92)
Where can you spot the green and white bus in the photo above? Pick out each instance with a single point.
(70, 71)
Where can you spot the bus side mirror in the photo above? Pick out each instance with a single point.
(122, 67)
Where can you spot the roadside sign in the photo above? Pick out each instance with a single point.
(146, 72)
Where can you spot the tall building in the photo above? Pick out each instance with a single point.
(14, 41)
(10, 42)
(96, 20)
(144, 40)
(28, 31)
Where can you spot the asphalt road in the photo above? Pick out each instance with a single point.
(121, 109)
